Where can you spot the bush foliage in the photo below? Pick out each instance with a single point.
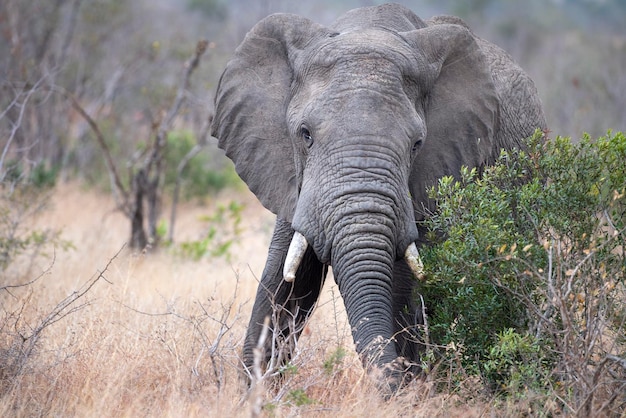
(526, 281)
(203, 175)
(22, 199)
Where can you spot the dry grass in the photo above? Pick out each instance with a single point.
(158, 335)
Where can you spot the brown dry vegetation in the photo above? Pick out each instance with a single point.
(143, 340)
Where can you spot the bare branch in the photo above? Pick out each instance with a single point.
(256, 389)
(28, 341)
(115, 178)
(152, 168)
(60, 311)
(17, 124)
(70, 30)
(190, 66)
(166, 124)
(17, 286)
(202, 141)
(210, 344)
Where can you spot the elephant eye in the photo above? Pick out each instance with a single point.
(417, 145)
(306, 136)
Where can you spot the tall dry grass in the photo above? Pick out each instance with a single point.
(153, 334)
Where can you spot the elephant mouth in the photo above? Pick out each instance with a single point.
(299, 245)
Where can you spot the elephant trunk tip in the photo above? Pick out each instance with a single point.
(296, 251)
(413, 259)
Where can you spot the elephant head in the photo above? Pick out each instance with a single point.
(339, 130)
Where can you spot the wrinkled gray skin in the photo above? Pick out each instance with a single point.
(339, 131)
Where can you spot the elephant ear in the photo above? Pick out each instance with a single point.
(461, 107)
(250, 109)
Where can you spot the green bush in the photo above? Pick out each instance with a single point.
(202, 175)
(533, 249)
(223, 230)
(212, 8)
(38, 176)
(21, 202)
(516, 363)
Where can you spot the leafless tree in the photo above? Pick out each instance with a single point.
(146, 168)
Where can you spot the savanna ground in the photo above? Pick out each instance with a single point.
(158, 334)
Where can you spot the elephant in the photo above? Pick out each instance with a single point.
(339, 131)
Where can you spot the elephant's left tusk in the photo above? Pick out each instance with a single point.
(412, 257)
(296, 251)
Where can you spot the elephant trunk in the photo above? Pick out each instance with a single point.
(359, 219)
(363, 269)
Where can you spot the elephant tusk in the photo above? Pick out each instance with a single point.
(296, 251)
(412, 257)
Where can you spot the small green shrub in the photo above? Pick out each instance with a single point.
(517, 363)
(42, 176)
(202, 175)
(20, 203)
(298, 397)
(39, 176)
(223, 230)
(526, 276)
(334, 360)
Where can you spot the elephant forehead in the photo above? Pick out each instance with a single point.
(363, 49)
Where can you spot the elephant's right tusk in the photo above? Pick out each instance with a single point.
(296, 251)
(412, 257)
